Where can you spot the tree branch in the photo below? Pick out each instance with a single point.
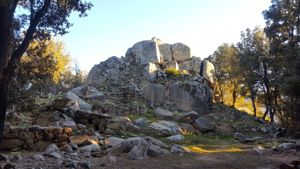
(28, 37)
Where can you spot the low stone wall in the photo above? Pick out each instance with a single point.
(34, 137)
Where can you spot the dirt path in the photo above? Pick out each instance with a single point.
(217, 160)
(234, 160)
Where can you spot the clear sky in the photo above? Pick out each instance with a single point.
(115, 25)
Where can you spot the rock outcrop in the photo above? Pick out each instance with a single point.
(156, 73)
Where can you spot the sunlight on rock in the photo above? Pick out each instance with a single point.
(198, 149)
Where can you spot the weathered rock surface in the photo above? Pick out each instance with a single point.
(154, 93)
(163, 114)
(191, 96)
(203, 125)
(208, 71)
(146, 52)
(181, 52)
(88, 92)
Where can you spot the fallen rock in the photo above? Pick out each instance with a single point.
(84, 164)
(163, 114)
(82, 105)
(132, 127)
(129, 143)
(79, 139)
(90, 148)
(176, 138)
(156, 142)
(88, 92)
(155, 151)
(115, 141)
(178, 149)
(141, 122)
(138, 153)
(187, 128)
(242, 138)
(189, 117)
(203, 125)
(165, 128)
(38, 157)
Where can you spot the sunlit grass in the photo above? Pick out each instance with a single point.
(198, 149)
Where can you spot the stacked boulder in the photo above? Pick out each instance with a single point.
(142, 75)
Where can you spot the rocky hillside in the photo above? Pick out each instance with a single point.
(154, 102)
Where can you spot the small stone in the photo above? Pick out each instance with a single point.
(141, 122)
(55, 155)
(178, 149)
(38, 157)
(176, 138)
(84, 164)
(90, 148)
(137, 153)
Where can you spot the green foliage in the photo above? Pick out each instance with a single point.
(176, 73)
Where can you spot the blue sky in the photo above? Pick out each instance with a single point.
(115, 25)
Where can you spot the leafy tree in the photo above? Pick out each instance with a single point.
(225, 60)
(43, 69)
(256, 67)
(35, 19)
(283, 29)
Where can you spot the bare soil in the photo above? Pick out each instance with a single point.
(248, 159)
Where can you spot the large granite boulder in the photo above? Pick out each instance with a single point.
(146, 52)
(191, 96)
(150, 71)
(208, 71)
(165, 52)
(181, 52)
(154, 93)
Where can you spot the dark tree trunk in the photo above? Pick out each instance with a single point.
(234, 95)
(4, 58)
(252, 96)
(3, 105)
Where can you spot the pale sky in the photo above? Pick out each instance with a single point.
(115, 25)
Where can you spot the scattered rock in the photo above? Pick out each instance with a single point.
(141, 122)
(115, 141)
(129, 143)
(189, 117)
(178, 149)
(155, 151)
(137, 153)
(187, 128)
(79, 139)
(203, 125)
(156, 142)
(163, 114)
(90, 148)
(38, 157)
(132, 127)
(176, 138)
(88, 92)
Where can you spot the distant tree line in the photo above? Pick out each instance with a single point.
(264, 66)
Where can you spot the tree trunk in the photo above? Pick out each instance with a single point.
(4, 58)
(3, 106)
(234, 95)
(252, 96)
